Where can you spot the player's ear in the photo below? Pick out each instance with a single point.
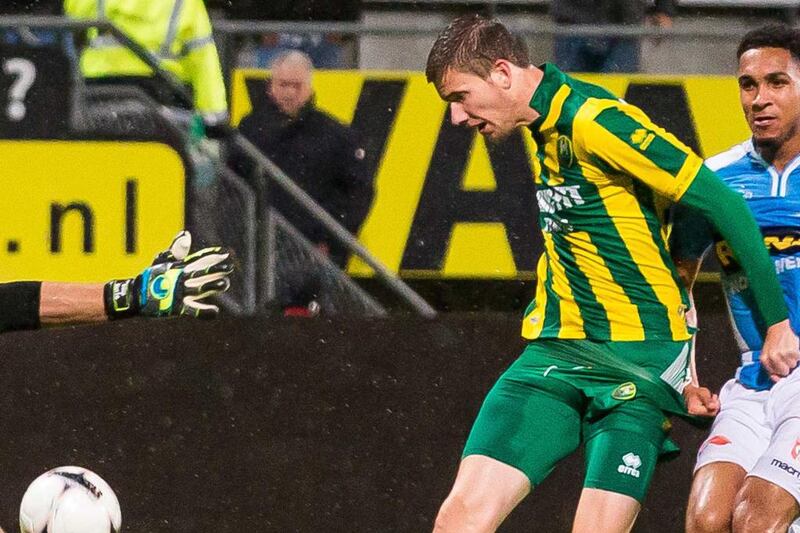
(501, 72)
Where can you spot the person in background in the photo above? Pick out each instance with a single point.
(605, 54)
(177, 32)
(324, 157)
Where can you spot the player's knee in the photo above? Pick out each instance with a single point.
(751, 517)
(708, 519)
(462, 512)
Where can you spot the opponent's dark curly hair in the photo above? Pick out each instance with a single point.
(771, 36)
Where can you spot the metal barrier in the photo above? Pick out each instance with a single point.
(263, 291)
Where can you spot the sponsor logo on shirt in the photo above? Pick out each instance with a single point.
(555, 199)
(630, 465)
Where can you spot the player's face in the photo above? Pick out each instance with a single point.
(480, 103)
(769, 88)
(290, 87)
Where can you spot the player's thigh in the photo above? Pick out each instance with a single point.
(763, 506)
(622, 448)
(779, 466)
(484, 493)
(524, 426)
(712, 497)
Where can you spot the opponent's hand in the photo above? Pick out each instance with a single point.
(781, 350)
(700, 401)
(174, 285)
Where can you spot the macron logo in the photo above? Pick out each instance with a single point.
(630, 465)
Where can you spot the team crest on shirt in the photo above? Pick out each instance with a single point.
(566, 156)
(626, 391)
(796, 449)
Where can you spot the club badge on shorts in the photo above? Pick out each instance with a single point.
(626, 391)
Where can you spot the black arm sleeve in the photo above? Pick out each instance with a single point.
(729, 214)
(19, 305)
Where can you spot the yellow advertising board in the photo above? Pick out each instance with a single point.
(448, 205)
(87, 211)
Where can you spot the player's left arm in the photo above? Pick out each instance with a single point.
(623, 139)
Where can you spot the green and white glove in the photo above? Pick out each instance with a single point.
(176, 284)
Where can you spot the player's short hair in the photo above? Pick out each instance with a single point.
(774, 35)
(473, 43)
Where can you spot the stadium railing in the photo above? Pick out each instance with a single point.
(263, 230)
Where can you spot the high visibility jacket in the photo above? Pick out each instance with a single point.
(177, 32)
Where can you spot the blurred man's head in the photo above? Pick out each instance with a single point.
(475, 65)
(290, 85)
(769, 84)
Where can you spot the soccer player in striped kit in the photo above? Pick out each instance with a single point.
(608, 350)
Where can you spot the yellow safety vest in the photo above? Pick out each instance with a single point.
(177, 32)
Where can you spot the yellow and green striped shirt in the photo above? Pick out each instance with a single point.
(603, 174)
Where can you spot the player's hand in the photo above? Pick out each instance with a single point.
(781, 350)
(700, 401)
(176, 284)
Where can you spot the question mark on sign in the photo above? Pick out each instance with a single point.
(25, 73)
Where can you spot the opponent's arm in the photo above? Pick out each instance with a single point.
(690, 239)
(699, 400)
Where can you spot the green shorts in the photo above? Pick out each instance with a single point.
(611, 395)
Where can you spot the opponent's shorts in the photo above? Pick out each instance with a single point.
(759, 431)
(543, 407)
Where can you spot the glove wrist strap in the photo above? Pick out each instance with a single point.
(119, 297)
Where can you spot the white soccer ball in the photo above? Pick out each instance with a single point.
(69, 499)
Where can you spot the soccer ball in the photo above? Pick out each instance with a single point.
(69, 499)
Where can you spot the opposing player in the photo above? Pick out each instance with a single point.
(746, 477)
(608, 352)
(177, 283)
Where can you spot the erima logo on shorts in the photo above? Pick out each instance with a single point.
(630, 465)
(788, 468)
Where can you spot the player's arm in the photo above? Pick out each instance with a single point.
(31, 304)
(727, 211)
(621, 138)
(71, 303)
(690, 240)
(177, 283)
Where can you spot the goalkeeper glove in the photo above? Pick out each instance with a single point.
(174, 285)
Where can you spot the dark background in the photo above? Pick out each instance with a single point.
(287, 425)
